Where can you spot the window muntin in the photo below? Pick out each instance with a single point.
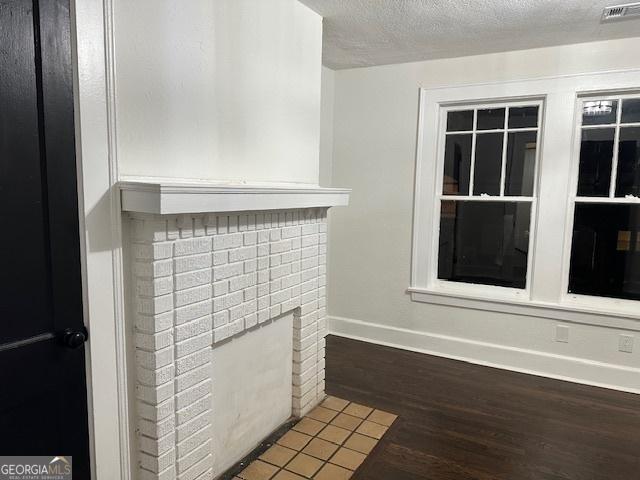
(605, 248)
(487, 200)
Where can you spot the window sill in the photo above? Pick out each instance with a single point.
(570, 310)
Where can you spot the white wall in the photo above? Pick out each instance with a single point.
(375, 126)
(252, 390)
(225, 90)
(327, 99)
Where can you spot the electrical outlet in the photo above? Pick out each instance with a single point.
(625, 343)
(562, 334)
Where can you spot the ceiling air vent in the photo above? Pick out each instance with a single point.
(621, 11)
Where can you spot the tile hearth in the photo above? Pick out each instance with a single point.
(329, 443)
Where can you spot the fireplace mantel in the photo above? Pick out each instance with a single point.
(173, 197)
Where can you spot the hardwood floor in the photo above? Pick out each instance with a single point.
(460, 421)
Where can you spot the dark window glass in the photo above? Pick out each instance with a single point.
(484, 242)
(523, 117)
(491, 119)
(457, 165)
(628, 177)
(631, 110)
(488, 164)
(596, 113)
(521, 163)
(596, 153)
(605, 254)
(460, 121)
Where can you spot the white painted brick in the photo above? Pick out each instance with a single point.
(275, 310)
(200, 471)
(309, 252)
(198, 226)
(322, 253)
(193, 311)
(192, 361)
(263, 315)
(222, 333)
(302, 333)
(225, 242)
(193, 394)
(280, 271)
(322, 259)
(309, 240)
(263, 276)
(322, 270)
(233, 223)
(155, 413)
(233, 299)
(220, 258)
(192, 279)
(322, 301)
(291, 280)
(223, 224)
(279, 247)
(290, 232)
(263, 236)
(154, 305)
(220, 318)
(308, 297)
(309, 274)
(295, 292)
(250, 293)
(193, 377)
(189, 428)
(322, 228)
(275, 286)
(155, 394)
(158, 446)
(194, 456)
(264, 302)
(160, 268)
(192, 295)
(309, 263)
(157, 464)
(274, 235)
(304, 377)
(156, 341)
(193, 410)
(192, 262)
(296, 243)
(156, 251)
(154, 323)
(154, 360)
(309, 307)
(226, 271)
(154, 377)
(250, 238)
(187, 347)
(250, 266)
(322, 238)
(250, 320)
(275, 260)
(154, 287)
(221, 288)
(279, 297)
(309, 229)
(308, 286)
(191, 246)
(250, 307)
(322, 292)
(236, 312)
(167, 474)
(298, 367)
(241, 254)
(263, 289)
(259, 221)
(288, 257)
(193, 328)
(157, 429)
(295, 267)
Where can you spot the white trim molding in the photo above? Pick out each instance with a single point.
(551, 224)
(167, 197)
(533, 362)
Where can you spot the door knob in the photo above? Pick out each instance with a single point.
(74, 338)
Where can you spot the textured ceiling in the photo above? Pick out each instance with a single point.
(376, 32)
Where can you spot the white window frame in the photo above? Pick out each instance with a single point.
(554, 194)
(480, 289)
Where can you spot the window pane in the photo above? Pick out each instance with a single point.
(491, 119)
(457, 165)
(521, 163)
(631, 110)
(488, 164)
(460, 121)
(599, 112)
(628, 178)
(596, 153)
(523, 117)
(484, 242)
(605, 254)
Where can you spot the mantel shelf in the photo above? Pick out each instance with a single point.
(166, 198)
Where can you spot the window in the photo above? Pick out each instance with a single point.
(487, 193)
(605, 249)
(527, 198)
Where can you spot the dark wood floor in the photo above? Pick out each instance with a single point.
(460, 421)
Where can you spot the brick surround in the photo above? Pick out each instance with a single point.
(199, 280)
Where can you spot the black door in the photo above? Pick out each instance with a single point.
(43, 398)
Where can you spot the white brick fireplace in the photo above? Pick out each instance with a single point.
(209, 263)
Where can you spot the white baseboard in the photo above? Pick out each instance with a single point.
(571, 369)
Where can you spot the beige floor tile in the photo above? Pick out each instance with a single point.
(383, 418)
(309, 426)
(278, 455)
(320, 448)
(346, 421)
(360, 443)
(335, 403)
(371, 429)
(258, 470)
(358, 410)
(333, 472)
(294, 440)
(322, 414)
(304, 465)
(334, 434)
(284, 475)
(348, 458)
